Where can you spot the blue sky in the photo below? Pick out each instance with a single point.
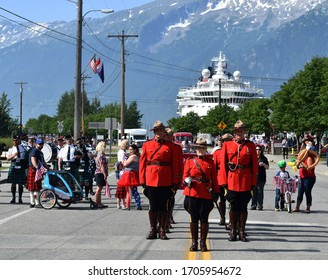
(51, 10)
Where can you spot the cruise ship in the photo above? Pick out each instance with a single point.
(216, 84)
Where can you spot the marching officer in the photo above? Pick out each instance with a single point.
(200, 178)
(239, 173)
(158, 172)
(169, 137)
(217, 156)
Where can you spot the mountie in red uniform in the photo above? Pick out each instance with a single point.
(159, 170)
(217, 157)
(240, 169)
(199, 188)
(200, 178)
(159, 164)
(239, 173)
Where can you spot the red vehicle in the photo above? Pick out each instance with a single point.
(179, 137)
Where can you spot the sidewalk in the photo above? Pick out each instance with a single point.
(321, 168)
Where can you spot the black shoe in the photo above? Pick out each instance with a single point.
(32, 205)
(92, 193)
(38, 206)
(138, 208)
(253, 207)
(13, 201)
(260, 207)
(20, 201)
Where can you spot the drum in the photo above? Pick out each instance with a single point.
(49, 151)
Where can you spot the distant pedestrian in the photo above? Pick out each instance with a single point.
(285, 147)
(258, 192)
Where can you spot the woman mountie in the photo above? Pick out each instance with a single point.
(201, 180)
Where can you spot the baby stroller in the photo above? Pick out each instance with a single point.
(60, 187)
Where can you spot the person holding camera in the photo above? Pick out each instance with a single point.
(202, 188)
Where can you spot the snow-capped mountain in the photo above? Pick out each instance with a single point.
(176, 39)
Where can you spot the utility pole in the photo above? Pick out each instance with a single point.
(122, 37)
(82, 106)
(77, 96)
(21, 104)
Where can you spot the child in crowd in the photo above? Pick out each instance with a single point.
(280, 177)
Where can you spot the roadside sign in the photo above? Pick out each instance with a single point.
(222, 125)
(96, 125)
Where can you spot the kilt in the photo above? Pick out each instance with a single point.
(129, 179)
(16, 175)
(31, 185)
(120, 192)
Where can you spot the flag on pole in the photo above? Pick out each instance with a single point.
(93, 64)
(100, 69)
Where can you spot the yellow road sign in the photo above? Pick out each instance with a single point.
(222, 125)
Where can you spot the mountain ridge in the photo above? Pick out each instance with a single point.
(176, 39)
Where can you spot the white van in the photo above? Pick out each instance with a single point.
(135, 136)
(208, 137)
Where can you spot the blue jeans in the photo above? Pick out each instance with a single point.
(306, 187)
(277, 200)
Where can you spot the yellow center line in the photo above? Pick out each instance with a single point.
(193, 255)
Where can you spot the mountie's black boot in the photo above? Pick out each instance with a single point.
(153, 221)
(233, 226)
(203, 236)
(194, 237)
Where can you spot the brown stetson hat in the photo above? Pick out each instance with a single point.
(200, 142)
(226, 137)
(158, 124)
(239, 125)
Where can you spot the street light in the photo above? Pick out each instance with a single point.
(78, 74)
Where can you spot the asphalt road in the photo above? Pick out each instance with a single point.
(80, 233)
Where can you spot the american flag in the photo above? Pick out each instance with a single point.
(39, 173)
(93, 64)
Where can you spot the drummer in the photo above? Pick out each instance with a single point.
(68, 159)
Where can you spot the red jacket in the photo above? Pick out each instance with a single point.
(217, 157)
(158, 167)
(242, 173)
(198, 188)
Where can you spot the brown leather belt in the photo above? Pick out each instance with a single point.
(201, 180)
(239, 166)
(158, 163)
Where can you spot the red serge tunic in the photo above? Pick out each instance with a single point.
(217, 157)
(159, 164)
(242, 173)
(198, 188)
